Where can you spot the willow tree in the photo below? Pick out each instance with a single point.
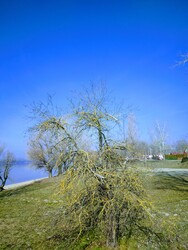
(109, 207)
(104, 202)
(52, 136)
(101, 199)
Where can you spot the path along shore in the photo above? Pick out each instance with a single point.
(22, 184)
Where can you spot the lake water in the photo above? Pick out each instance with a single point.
(23, 171)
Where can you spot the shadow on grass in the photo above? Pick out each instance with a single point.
(172, 181)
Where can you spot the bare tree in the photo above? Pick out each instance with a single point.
(143, 148)
(42, 154)
(159, 138)
(52, 136)
(132, 136)
(95, 115)
(181, 146)
(6, 162)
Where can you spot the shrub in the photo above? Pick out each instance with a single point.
(174, 156)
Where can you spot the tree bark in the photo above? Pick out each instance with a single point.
(3, 182)
(100, 140)
(50, 173)
(111, 240)
(60, 171)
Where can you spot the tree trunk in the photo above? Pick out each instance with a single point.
(50, 173)
(111, 240)
(100, 146)
(65, 166)
(100, 140)
(60, 171)
(3, 181)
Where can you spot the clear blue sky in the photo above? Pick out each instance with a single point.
(59, 46)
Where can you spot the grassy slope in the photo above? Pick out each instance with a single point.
(27, 214)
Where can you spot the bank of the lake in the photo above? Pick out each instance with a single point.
(28, 215)
(23, 171)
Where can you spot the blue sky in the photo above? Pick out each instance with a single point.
(55, 47)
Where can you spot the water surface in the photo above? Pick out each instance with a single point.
(23, 171)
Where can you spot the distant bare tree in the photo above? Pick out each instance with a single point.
(52, 139)
(143, 148)
(6, 162)
(181, 146)
(159, 138)
(132, 136)
(42, 154)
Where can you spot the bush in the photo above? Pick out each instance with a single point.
(174, 156)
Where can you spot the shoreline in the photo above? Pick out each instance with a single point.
(156, 170)
(22, 184)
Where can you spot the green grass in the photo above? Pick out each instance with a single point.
(167, 164)
(169, 194)
(172, 203)
(28, 214)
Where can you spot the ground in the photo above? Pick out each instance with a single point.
(28, 214)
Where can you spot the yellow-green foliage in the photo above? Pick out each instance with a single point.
(112, 205)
